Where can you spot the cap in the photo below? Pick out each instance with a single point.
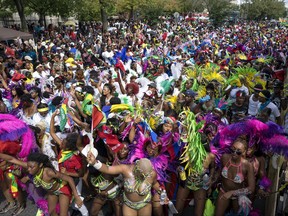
(28, 58)
(40, 65)
(190, 93)
(240, 93)
(152, 85)
(258, 87)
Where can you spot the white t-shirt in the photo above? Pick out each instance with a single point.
(274, 111)
(37, 118)
(253, 106)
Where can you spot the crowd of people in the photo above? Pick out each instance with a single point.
(148, 118)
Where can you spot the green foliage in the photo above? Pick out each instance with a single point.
(218, 9)
(6, 9)
(88, 10)
(191, 6)
(261, 9)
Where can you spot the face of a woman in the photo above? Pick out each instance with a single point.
(130, 91)
(152, 152)
(13, 92)
(79, 95)
(57, 83)
(238, 150)
(123, 153)
(188, 84)
(33, 94)
(167, 127)
(240, 100)
(33, 167)
(106, 90)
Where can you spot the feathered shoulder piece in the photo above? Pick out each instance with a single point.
(13, 129)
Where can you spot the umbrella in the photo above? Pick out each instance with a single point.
(70, 23)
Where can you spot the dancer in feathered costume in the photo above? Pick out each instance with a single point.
(261, 138)
(146, 148)
(16, 139)
(199, 164)
(270, 137)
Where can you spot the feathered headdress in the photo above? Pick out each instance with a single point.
(160, 162)
(269, 137)
(247, 74)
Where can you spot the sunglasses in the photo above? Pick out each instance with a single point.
(236, 151)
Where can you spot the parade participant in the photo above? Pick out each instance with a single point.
(200, 171)
(266, 102)
(16, 93)
(107, 94)
(238, 110)
(237, 180)
(254, 100)
(60, 187)
(3, 107)
(139, 179)
(28, 109)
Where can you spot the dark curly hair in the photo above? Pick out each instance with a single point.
(72, 139)
(40, 158)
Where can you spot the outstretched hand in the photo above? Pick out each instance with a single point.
(91, 158)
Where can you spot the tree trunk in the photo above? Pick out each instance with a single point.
(20, 10)
(131, 15)
(41, 19)
(104, 17)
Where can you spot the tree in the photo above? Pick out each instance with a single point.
(8, 7)
(43, 8)
(218, 9)
(262, 9)
(88, 10)
(191, 5)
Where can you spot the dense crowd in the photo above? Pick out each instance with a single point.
(143, 116)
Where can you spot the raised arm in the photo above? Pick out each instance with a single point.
(13, 160)
(112, 170)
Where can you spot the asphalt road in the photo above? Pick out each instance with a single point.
(31, 208)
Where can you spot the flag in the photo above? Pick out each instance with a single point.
(111, 140)
(117, 108)
(165, 86)
(65, 155)
(120, 65)
(14, 185)
(98, 117)
(87, 104)
(63, 114)
(164, 36)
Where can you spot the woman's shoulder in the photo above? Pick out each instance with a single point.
(246, 163)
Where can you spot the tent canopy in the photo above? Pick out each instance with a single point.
(10, 34)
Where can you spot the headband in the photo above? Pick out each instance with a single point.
(43, 109)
